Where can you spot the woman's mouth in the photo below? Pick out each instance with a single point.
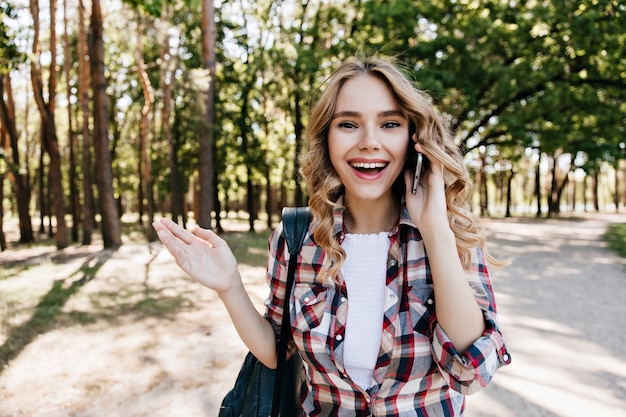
(368, 169)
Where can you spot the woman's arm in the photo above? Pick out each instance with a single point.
(457, 311)
(207, 258)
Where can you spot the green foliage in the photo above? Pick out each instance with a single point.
(9, 53)
(509, 76)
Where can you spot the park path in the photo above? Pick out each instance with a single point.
(561, 305)
(562, 308)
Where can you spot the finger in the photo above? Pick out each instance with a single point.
(208, 236)
(177, 231)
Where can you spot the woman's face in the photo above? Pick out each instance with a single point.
(367, 139)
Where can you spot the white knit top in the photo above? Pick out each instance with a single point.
(364, 272)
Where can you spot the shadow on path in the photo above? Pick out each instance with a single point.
(48, 308)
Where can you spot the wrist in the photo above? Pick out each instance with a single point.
(439, 231)
(236, 286)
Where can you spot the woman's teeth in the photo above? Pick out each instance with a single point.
(368, 165)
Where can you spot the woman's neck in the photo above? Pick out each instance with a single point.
(366, 217)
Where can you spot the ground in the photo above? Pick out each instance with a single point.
(125, 333)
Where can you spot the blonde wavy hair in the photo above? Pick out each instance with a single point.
(323, 183)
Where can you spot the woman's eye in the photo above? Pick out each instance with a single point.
(347, 125)
(390, 125)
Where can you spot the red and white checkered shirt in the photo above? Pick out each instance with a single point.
(418, 372)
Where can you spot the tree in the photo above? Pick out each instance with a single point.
(11, 162)
(206, 163)
(111, 227)
(88, 206)
(50, 143)
(73, 168)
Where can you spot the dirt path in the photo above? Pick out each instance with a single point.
(110, 354)
(561, 305)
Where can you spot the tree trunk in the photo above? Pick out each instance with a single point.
(616, 194)
(298, 127)
(4, 139)
(3, 241)
(594, 188)
(538, 185)
(20, 176)
(557, 185)
(144, 144)
(509, 202)
(482, 188)
(73, 177)
(206, 168)
(88, 205)
(167, 77)
(553, 202)
(48, 128)
(111, 227)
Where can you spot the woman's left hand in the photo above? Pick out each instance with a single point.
(428, 207)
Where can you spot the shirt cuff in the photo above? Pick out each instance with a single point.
(472, 371)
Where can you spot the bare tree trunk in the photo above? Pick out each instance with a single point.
(616, 182)
(83, 93)
(167, 76)
(144, 144)
(73, 177)
(111, 227)
(509, 182)
(594, 187)
(21, 177)
(299, 133)
(4, 141)
(206, 168)
(538, 185)
(482, 188)
(624, 186)
(48, 127)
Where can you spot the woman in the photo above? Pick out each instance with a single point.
(392, 309)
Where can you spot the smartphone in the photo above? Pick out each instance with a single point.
(418, 172)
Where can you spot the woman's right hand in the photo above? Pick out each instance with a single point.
(202, 254)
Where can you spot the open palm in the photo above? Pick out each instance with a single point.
(202, 254)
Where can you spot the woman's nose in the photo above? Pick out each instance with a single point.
(369, 139)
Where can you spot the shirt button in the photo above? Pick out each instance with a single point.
(380, 369)
(339, 337)
(505, 357)
(388, 335)
(342, 299)
(393, 263)
(306, 299)
(430, 301)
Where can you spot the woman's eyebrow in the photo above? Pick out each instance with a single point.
(346, 113)
(389, 113)
(350, 113)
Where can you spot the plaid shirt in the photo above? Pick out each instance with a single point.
(418, 371)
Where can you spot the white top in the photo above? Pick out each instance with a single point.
(364, 272)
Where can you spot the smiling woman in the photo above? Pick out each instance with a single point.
(392, 308)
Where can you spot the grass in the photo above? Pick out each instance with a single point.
(615, 237)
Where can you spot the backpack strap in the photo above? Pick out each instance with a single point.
(295, 225)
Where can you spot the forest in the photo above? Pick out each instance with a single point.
(195, 109)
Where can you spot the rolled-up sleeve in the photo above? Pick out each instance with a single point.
(474, 369)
